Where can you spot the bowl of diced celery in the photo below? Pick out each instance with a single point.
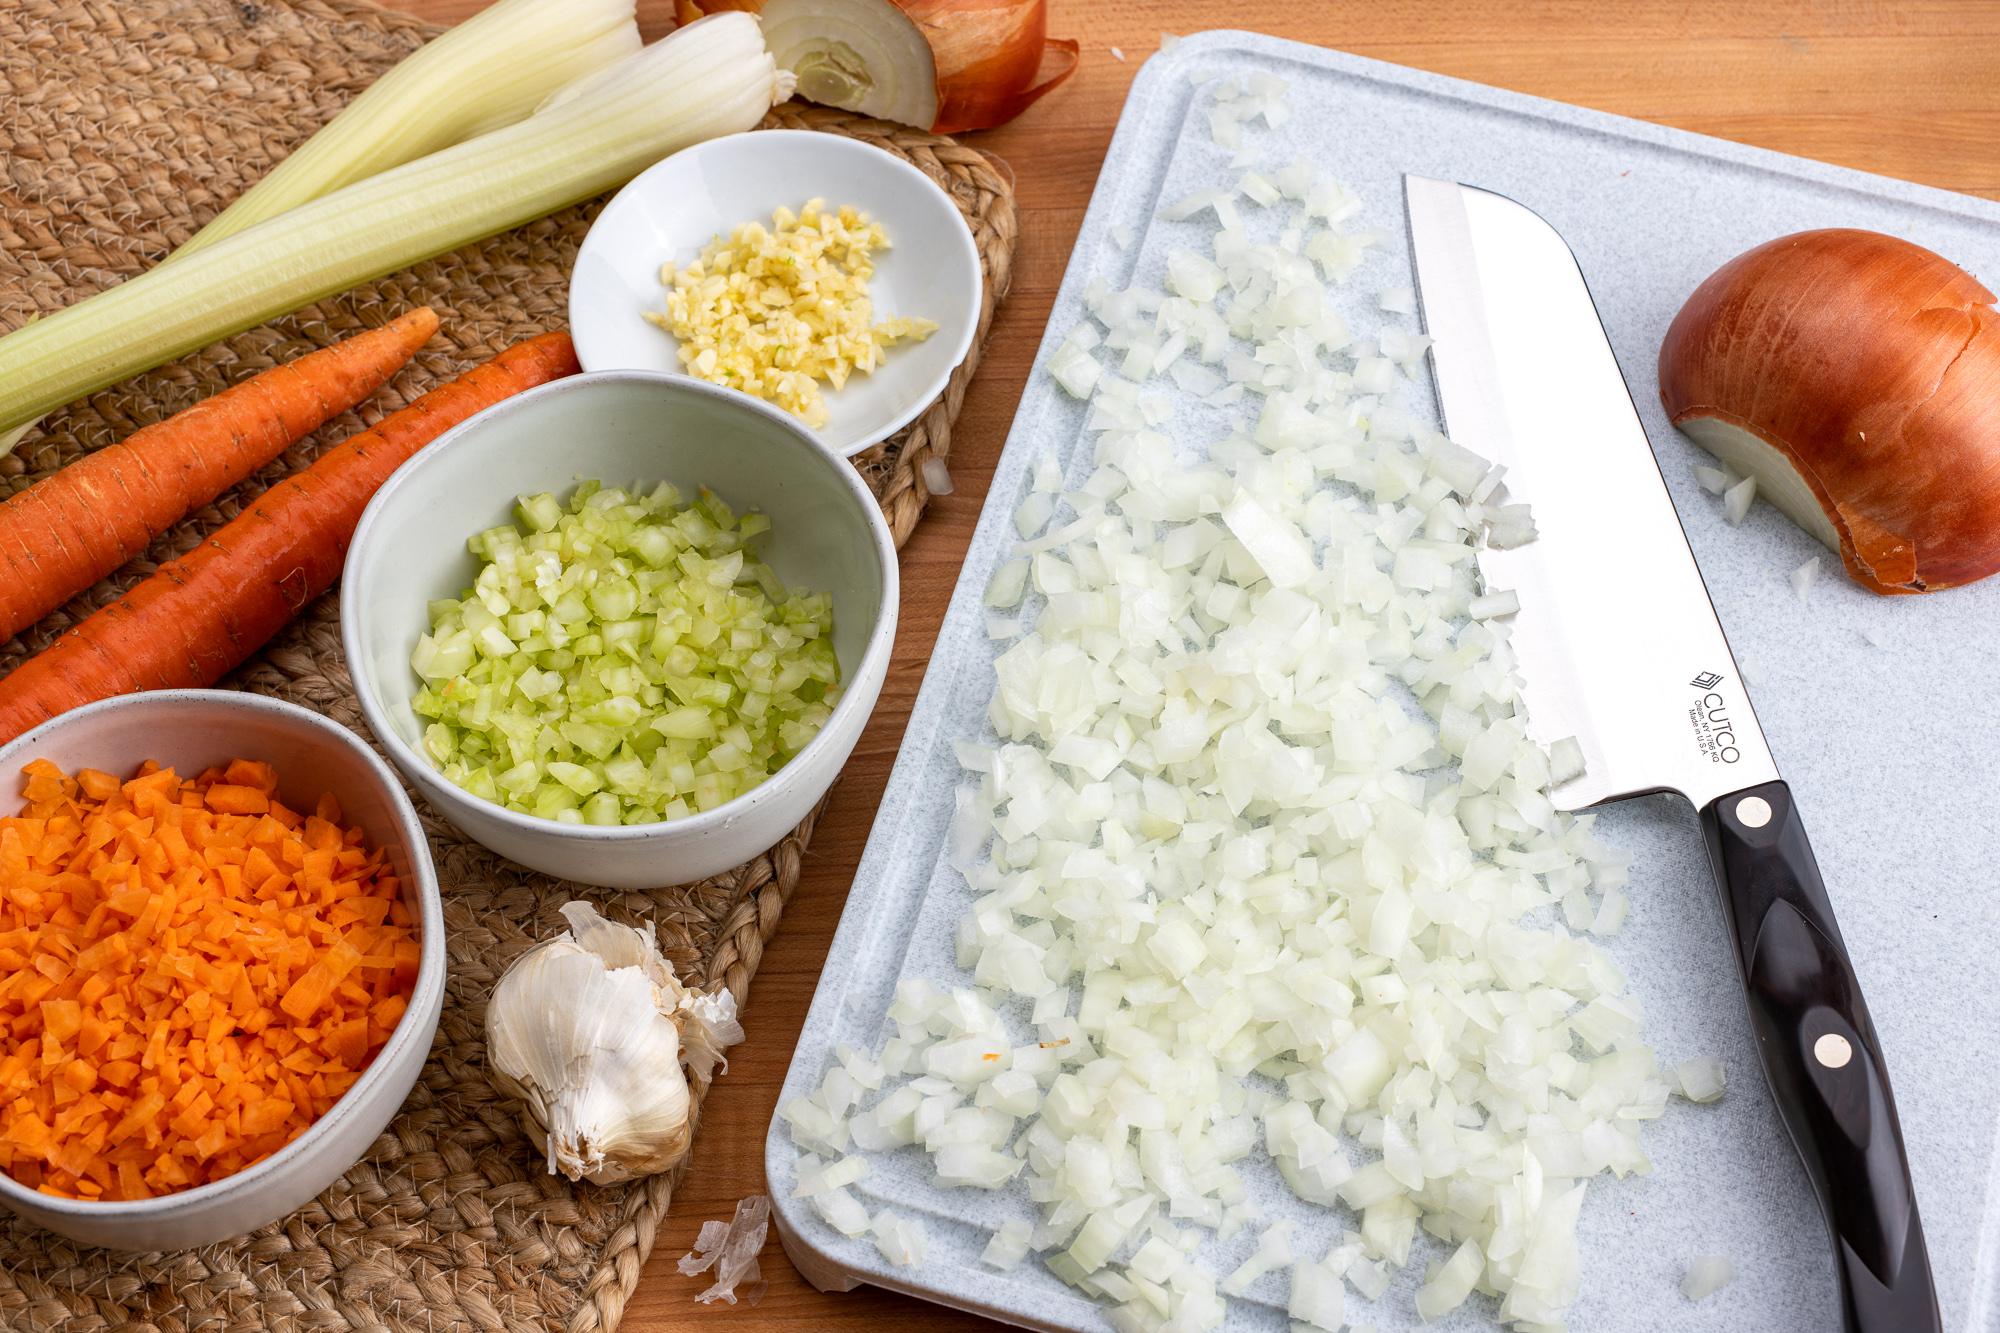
(624, 628)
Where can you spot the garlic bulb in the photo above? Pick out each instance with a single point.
(589, 1030)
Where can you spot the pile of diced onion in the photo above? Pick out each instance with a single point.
(1264, 871)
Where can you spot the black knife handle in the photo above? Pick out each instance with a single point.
(1822, 1058)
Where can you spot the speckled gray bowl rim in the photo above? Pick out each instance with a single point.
(412, 475)
(582, 314)
(430, 959)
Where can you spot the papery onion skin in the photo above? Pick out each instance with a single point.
(1872, 365)
(993, 58)
(990, 55)
(687, 11)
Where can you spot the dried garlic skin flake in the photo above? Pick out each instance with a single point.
(732, 1249)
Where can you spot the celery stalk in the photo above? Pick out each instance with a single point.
(710, 78)
(490, 71)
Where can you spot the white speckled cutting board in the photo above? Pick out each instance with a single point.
(1893, 751)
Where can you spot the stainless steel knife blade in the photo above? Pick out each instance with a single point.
(1617, 640)
(1619, 646)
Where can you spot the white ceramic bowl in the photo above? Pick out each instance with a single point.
(191, 730)
(930, 271)
(620, 427)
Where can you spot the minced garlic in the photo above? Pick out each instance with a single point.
(773, 312)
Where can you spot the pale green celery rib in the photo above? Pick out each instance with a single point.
(709, 79)
(492, 70)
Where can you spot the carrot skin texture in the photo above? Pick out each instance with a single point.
(67, 531)
(202, 615)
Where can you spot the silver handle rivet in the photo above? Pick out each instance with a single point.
(1753, 812)
(1833, 1051)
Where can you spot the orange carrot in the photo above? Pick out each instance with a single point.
(165, 1019)
(68, 531)
(203, 614)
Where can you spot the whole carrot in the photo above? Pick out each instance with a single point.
(65, 533)
(202, 614)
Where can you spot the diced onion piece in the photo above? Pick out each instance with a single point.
(1706, 1275)
(1565, 761)
(1451, 1283)
(1253, 186)
(839, 1209)
(1319, 1297)
(937, 477)
(1701, 1079)
(1279, 549)
(1189, 205)
(1274, 1251)
(824, 1178)
(1009, 582)
(1714, 480)
(1736, 501)
(902, 1241)
(1009, 1245)
(1803, 576)
(1076, 370)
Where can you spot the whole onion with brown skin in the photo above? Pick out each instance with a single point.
(1857, 377)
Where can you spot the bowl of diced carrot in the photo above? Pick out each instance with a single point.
(221, 964)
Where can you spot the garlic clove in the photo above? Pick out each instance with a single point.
(707, 1022)
(621, 945)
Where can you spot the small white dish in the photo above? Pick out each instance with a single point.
(191, 730)
(670, 211)
(619, 427)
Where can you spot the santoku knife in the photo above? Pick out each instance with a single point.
(1619, 648)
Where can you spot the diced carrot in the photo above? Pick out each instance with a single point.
(309, 992)
(97, 784)
(45, 782)
(267, 1115)
(227, 799)
(61, 1018)
(348, 1042)
(251, 773)
(190, 974)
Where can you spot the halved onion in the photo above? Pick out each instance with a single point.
(1856, 377)
(940, 65)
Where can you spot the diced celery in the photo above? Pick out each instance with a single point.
(622, 659)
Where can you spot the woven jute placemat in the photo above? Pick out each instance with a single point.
(124, 124)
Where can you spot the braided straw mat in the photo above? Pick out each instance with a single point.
(123, 125)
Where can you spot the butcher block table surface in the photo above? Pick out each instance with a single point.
(1903, 89)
